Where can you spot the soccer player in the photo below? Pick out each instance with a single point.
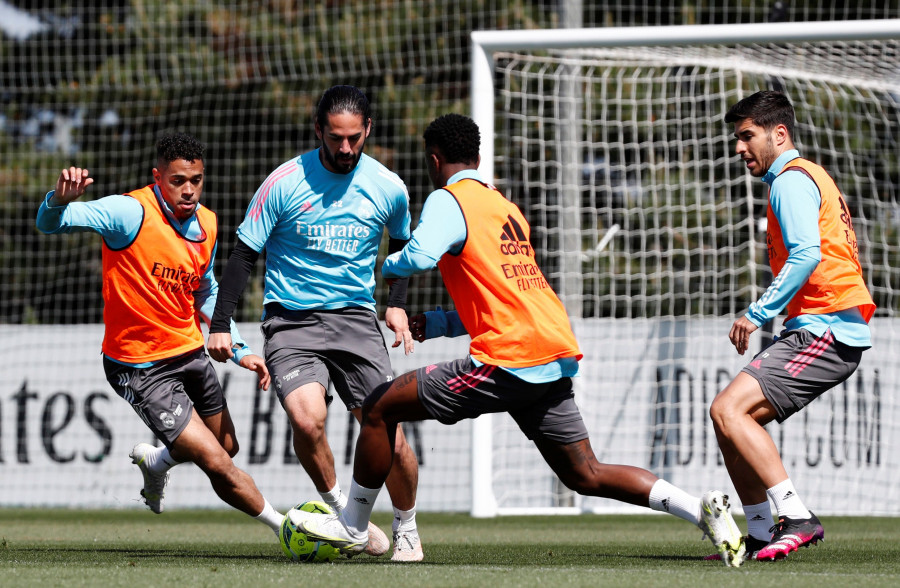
(159, 243)
(818, 282)
(522, 358)
(320, 217)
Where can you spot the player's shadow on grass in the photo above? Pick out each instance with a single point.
(103, 554)
(641, 556)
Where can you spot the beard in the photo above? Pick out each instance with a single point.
(341, 164)
(766, 158)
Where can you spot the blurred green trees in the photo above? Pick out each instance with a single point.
(103, 78)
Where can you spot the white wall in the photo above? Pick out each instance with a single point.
(644, 390)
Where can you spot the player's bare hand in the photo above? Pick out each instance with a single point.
(219, 346)
(740, 334)
(397, 321)
(417, 327)
(255, 363)
(71, 185)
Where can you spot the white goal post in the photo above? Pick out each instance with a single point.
(544, 86)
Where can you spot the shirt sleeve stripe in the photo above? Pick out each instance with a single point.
(263, 194)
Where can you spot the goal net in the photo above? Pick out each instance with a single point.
(613, 143)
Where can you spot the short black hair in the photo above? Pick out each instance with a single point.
(338, 99)
(767, 109)
(457, 137)
(172, 146)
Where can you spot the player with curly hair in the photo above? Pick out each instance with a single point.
(158, 247)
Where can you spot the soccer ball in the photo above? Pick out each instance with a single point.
(295, 544)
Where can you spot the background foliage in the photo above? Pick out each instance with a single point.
(100, 79)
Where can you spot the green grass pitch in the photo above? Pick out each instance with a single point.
(225, 548)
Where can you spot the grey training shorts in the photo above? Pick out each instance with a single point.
(164, 394)
(343, 347)
(458, 389)
(799, 367)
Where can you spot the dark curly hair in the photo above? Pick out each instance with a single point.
(172, 146)
(457, 137)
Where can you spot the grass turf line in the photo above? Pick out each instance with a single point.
(225, 548)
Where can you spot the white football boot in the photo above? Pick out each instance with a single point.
(154, 488)
(716, 522)
(329, 529)
(407, 546)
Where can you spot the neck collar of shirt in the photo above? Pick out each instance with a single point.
(779, 164)
(466, 174)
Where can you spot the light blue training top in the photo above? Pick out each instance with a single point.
(322, 231)
(118, 220)
(795, 202)
(442, 229)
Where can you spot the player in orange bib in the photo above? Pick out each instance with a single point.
(818, 283)
(159, 243)
(521, 360)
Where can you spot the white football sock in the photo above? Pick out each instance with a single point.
(334, 498)
(665, 497)
(404, 520)
(160, 461)
(270, 517)
(787, 502)
(359, 507)
(759, 520)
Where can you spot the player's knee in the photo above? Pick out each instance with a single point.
(232, 448)
(372, 408)
(717, 414)
(714, 410)
(230, 444)
(309, 430)
(722, 412)
(581, 478)
(580, 483)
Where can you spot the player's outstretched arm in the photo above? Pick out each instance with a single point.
(70, 185)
